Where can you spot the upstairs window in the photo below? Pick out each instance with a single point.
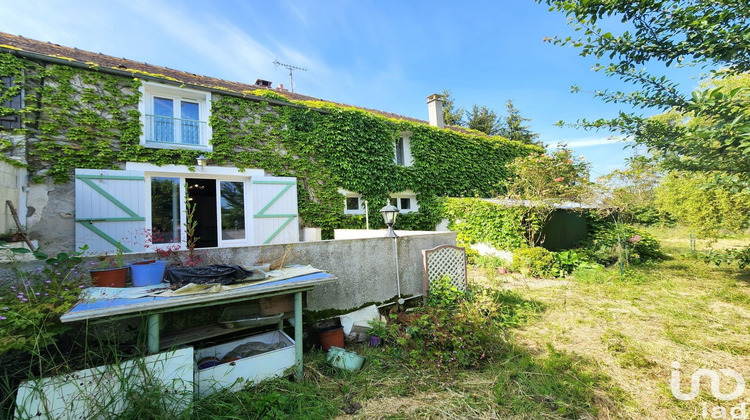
(9, 120)
(174, 117)
(402, 150)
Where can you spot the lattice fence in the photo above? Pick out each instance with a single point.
(444, 260)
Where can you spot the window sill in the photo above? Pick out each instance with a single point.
(158, 145)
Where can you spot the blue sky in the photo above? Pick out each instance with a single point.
(386, 54)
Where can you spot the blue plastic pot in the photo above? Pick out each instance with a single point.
(147, 274)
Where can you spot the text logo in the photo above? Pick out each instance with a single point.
(714, 379)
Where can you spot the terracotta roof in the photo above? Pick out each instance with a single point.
(11, 43)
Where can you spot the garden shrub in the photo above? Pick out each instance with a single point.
(565, 262)
(638, 246)
(533, 262)
(464, 331)
(442, 293)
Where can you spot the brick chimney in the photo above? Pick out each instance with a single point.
(435, 109)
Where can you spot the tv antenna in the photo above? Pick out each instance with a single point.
(291, 69)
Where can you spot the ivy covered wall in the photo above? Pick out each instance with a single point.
(86, 118)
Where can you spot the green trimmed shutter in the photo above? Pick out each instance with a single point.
(275, 219)
(110, 210)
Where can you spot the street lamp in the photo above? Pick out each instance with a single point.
(389, 213)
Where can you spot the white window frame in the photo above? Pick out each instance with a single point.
(408, 194)
(349, 194)
(215, 173)
(405, 137)
(151, 90)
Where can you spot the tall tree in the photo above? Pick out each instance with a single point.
(512, 127)
(451, 114)
(674, 32)
(483, 119)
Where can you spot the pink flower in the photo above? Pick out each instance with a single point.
(635, 239)
(558, 179)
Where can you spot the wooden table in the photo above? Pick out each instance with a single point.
(153, 307)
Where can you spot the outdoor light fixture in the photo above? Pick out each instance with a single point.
(201, 160)
(389, 213)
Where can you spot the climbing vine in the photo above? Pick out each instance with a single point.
(85, 118)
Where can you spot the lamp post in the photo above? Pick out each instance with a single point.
(201, 161)
(389, 213)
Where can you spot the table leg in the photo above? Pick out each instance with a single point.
(298, 334)
(153, 333)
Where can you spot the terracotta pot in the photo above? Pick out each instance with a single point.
(331, 337)
(109, 277)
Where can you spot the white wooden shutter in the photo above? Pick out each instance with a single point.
(110, 210)
(275, 218)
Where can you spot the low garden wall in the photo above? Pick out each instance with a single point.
(365, 267)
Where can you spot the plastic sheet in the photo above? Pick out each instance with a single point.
(221, 274)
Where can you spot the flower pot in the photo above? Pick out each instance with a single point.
(109, 277)
(147, 274)
(333, 336)
(343, 359)
(374, 341)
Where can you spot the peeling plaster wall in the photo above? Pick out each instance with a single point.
(50, 216)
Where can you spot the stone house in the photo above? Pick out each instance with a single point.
(113, 153)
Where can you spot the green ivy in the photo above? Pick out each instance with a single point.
(478, 220)
(84, 118)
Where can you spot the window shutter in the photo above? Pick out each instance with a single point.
(110, 209)
(275, 218)
(11, 121)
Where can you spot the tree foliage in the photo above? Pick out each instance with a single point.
(483, 119)
(713, 34)
(631, 191)
(695, 203)
(512, 127)
(451, 114)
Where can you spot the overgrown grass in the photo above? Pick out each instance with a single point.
(630, 328)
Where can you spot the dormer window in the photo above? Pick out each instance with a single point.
(174, 117)
(402, 149)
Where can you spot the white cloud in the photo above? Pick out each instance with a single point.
(591, 142)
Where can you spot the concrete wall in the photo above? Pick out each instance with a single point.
(366, 268)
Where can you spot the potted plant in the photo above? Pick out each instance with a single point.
(377, 332)
(109, 272)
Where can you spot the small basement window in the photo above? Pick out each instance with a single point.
(405, 202)
(353, 203)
